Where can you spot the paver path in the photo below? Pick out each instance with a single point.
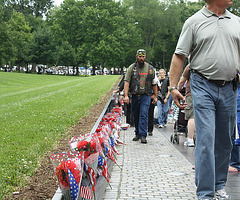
(156, 170)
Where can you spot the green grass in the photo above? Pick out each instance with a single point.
(35, 112)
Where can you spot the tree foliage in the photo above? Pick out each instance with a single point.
(19, 33)
(93, 32)
(42, 47)
(37, 8)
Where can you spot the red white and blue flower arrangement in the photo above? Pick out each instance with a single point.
(89, 157)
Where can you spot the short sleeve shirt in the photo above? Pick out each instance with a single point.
(213, 44)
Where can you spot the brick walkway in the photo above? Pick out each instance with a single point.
(156, 170)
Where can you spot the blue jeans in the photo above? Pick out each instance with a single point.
(215, 118)
(163, 110)
(170, 100)
(140, 107)
(235, 154)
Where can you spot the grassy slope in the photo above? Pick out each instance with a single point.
(37, 110)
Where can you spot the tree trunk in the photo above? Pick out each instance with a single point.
(77, 72)
(93, 70)
(27, 69)
(33, 70)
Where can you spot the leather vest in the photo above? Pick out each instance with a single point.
(135, 80)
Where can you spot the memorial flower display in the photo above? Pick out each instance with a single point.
(89, 156)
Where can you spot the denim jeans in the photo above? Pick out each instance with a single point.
(140, 106)
(215, 118)
(163, 110)
(235, 153)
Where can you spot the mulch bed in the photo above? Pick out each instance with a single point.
(43, 184)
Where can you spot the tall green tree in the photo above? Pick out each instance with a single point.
(66, 55)
(147, 16)
(100, 31)
(37, 8)
(20, 35)
(42, 47)
(7, 49)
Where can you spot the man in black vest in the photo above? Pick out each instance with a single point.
(140, 82)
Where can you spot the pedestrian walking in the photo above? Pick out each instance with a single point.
(140, 82)
(212, 39)
(162, 104)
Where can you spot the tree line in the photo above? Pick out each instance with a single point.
(103, 33)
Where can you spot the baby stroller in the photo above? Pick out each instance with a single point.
(180, 127)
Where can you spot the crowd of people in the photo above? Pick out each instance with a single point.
(210, 39)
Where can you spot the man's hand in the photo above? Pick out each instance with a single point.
(126, 99)
(155, 99)
(165, 100)
(176, 95)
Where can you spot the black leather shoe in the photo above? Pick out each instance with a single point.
(136, 138)
(143, 140)
(150, 134)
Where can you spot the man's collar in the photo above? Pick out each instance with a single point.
(208, 13)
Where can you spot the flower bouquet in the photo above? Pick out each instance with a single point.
(68, 167)
(106, 142)
(90, 147)
(118, 110)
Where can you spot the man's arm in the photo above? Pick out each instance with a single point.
(155, 91)
(184, 78)
(176, 69)
(126, 88)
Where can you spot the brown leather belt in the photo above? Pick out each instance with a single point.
(218, 82)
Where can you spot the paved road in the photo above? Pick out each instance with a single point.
(157, 170)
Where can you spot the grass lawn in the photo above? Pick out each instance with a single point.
(36, 111)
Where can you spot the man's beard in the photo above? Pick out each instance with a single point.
(140, 63)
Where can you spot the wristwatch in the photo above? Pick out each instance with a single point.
(172, 88)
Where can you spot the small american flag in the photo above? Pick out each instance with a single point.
(100, 161)
(105, 171)
(85, 191)
(109, 154)
(73, 185)
(91, 175)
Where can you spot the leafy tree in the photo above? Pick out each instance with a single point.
(147, 15)
(100, 31)
(235, 9)
(37, 8)
(19, 34)
(6, 46)
(42, 47)
(66, 55)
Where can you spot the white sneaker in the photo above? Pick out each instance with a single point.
(161, 126)
(222, 195)
(189, 144)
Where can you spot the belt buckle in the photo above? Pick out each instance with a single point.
(223, 83)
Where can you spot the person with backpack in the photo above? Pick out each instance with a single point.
(140, 82)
